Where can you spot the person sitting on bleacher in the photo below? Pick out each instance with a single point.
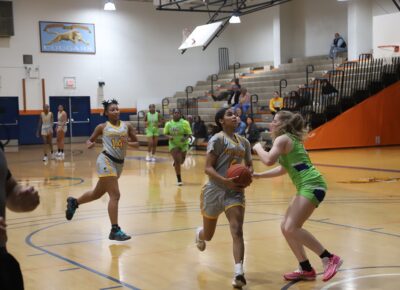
(244, 100)
(338, 45)
(199, 128)
(251, 132)
(228, 94)
(276, 103)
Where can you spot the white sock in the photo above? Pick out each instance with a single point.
(239, 269)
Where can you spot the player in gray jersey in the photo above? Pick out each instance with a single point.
(222, 194)
(116, 135)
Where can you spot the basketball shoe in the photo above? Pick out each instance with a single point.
(239, 281)
(331, 267)
(200, 244)
(72, 205)
(299, 274)
(118, 235)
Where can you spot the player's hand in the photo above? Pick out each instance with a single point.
(90, 144)
(28, 198)
(257, 146)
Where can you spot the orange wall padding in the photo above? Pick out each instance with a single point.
(373, 122)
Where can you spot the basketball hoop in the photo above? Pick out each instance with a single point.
(185, 33)
(387, 51)
(391, 47)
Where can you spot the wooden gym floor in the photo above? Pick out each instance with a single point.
(359, 221)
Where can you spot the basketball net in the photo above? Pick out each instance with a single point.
(185, 33)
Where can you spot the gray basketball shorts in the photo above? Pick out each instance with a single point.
(215, 200)
(107, 167)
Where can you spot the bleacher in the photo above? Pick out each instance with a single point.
(329, 90)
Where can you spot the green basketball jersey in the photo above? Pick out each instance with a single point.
(177, 130)
(152, 120)
(299, 167)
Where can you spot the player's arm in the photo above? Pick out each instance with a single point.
(20, 198)
(280, 146)
(167, 133)
(64, 119)
(146, 124)
(133, 141)
(211, 161)
(248, 160)
(96, 133)
(187, 131)
(274, 172)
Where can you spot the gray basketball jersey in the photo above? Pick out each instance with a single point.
(229, 151)
(115, 139)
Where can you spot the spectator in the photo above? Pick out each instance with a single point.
(338, 45)
(19, 199)
(234, 96)
(244, 100)
(251, 132)
(239, 113)
(199, 128)
(276, 103)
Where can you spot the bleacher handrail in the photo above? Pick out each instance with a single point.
(164, 103)
(214, 78)
(282, 85)
(309, 70)
(236, 65)
(253, 100)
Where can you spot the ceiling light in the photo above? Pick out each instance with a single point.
(235, 18)
(109, 6)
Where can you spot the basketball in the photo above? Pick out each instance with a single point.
(240, 171)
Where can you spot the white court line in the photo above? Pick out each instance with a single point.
(357, 278)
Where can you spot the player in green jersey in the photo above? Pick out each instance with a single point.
(178, 131)
(288, 131)
(152, 120)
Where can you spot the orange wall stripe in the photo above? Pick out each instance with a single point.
(360, 126)
(30, 112)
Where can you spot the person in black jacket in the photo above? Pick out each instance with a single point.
(338, 45)
(252, 133)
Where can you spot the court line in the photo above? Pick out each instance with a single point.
(110, 288)
(290, 284)
(28, 240)
(70, 269)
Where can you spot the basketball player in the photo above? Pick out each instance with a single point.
(152, 120)
(179, 132)
(18, 199)
(45, 126)
(288, 131)
(116, 135)
(222, 194)
(62, 119)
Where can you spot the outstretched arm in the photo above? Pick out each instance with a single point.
(282, 145)
(39, 126)
(277, 171)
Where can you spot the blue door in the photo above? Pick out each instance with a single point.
(78, 112)
(80, 116)
(54, 103)
(9, 117)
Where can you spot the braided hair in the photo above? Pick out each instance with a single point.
(107, 103)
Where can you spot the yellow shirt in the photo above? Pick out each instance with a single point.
(275, 103)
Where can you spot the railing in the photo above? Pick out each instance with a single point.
(253, 100)
(309, 70)
(340, 89)
(236, 66)
(214, 78)
(188, 90)
(282, 85)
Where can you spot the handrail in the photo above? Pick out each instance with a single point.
(309, 70)
(236, 65)
(188, 90)
(252, 101)
(214, 78)
(140, 114)
(164, 103)
(282, 85)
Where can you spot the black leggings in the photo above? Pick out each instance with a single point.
(10, 272)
